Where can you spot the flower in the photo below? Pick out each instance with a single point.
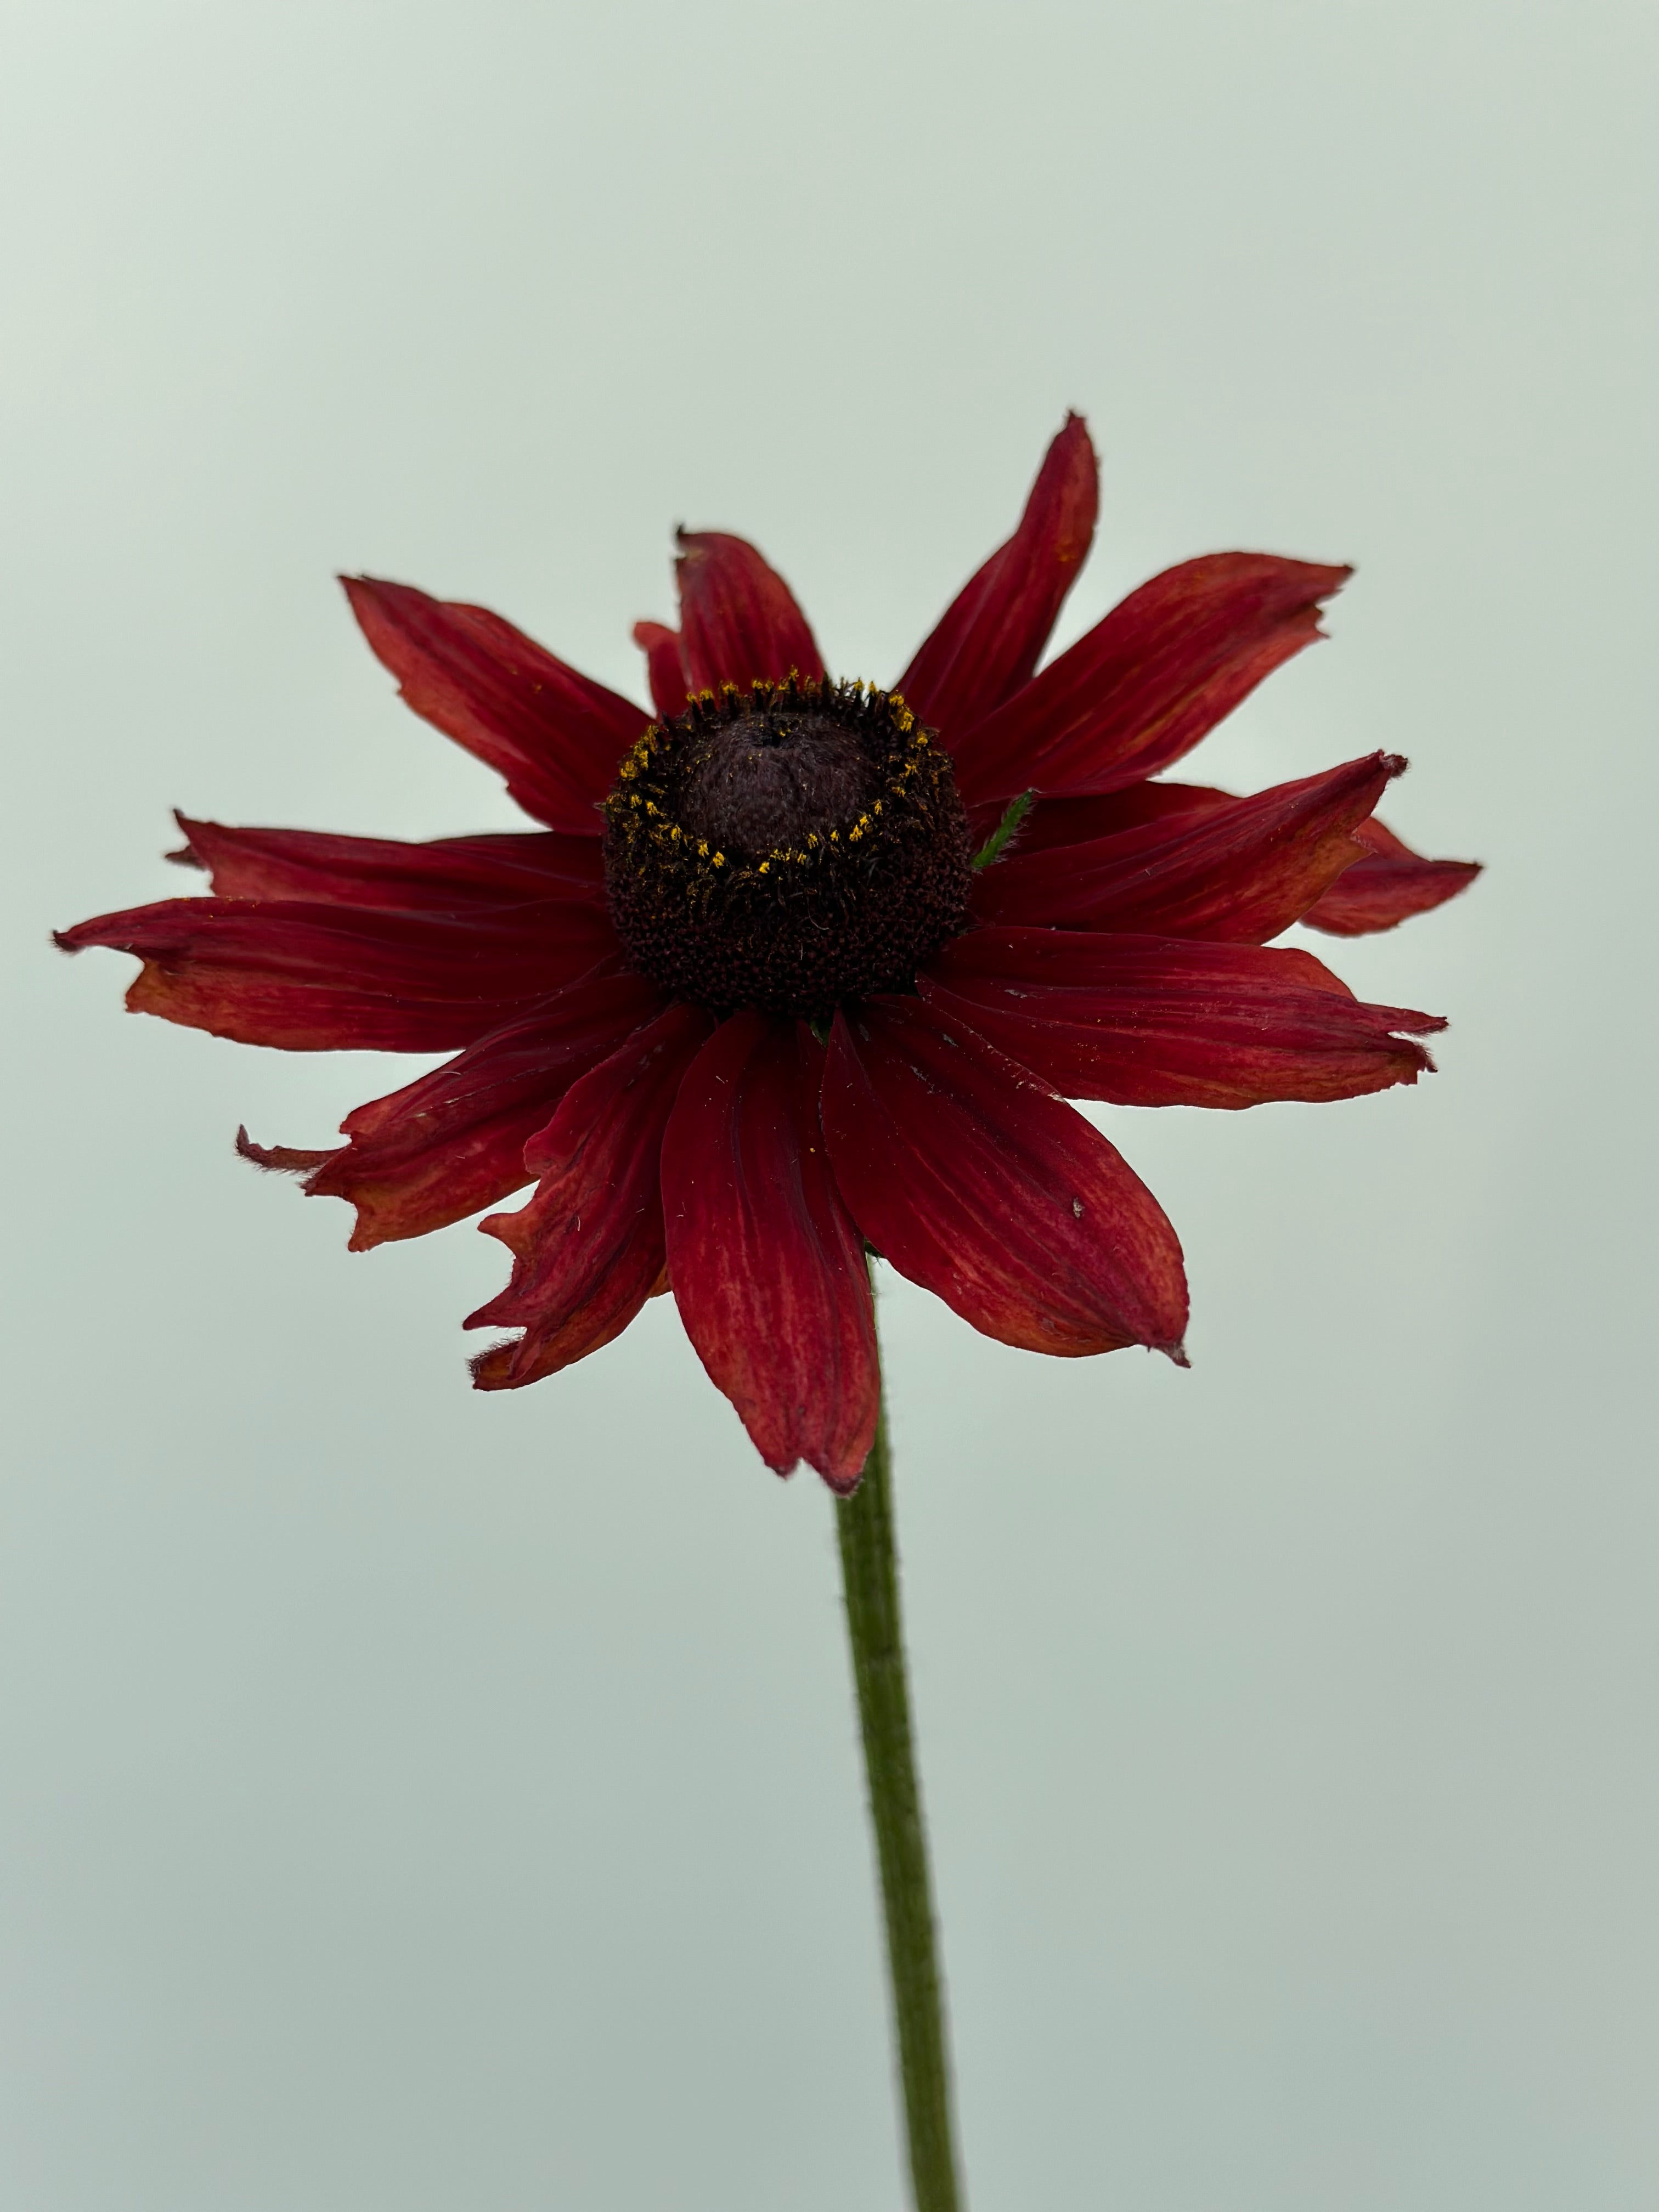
(801, 969)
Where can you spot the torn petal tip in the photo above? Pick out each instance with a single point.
(277, 1160)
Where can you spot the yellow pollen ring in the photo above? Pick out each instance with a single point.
(909, 773)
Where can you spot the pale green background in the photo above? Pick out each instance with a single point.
(410, 1802)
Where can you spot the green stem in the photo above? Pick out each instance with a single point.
(869, 1565)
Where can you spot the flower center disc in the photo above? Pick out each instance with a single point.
(785, 847)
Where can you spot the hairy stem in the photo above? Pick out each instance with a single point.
(869, 1563)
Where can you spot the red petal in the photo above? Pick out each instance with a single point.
(449, 872)
(665, 667)
(1388, 885)
(316, 978)
(1391, 883)
(1147, 683)
(738, 620)
(1053, 822)
(766, 1266)
(1242, 873)
(975, 1180)
(1158, 1021)
(988, 642)
(589, 1249)
(555, 734)
(454, 1140)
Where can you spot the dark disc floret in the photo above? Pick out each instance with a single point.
(785, 847)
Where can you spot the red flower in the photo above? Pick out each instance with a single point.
(786, 972)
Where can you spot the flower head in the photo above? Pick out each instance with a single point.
(799, 968)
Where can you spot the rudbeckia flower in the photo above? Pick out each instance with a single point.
(799, 968)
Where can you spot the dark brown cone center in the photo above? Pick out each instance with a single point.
(771, 778)
(788, 847)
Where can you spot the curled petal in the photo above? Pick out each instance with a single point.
(738, 620)
(1390, 885)
(555, 735)
(588, 1250)
(1241, 872)
(969, 1174)
(1156, 1021)
(453, 1141)
(445, 874)
(316, 978)
(766, 1266)
(1148, 682)
(988, 642)
(665, 667)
